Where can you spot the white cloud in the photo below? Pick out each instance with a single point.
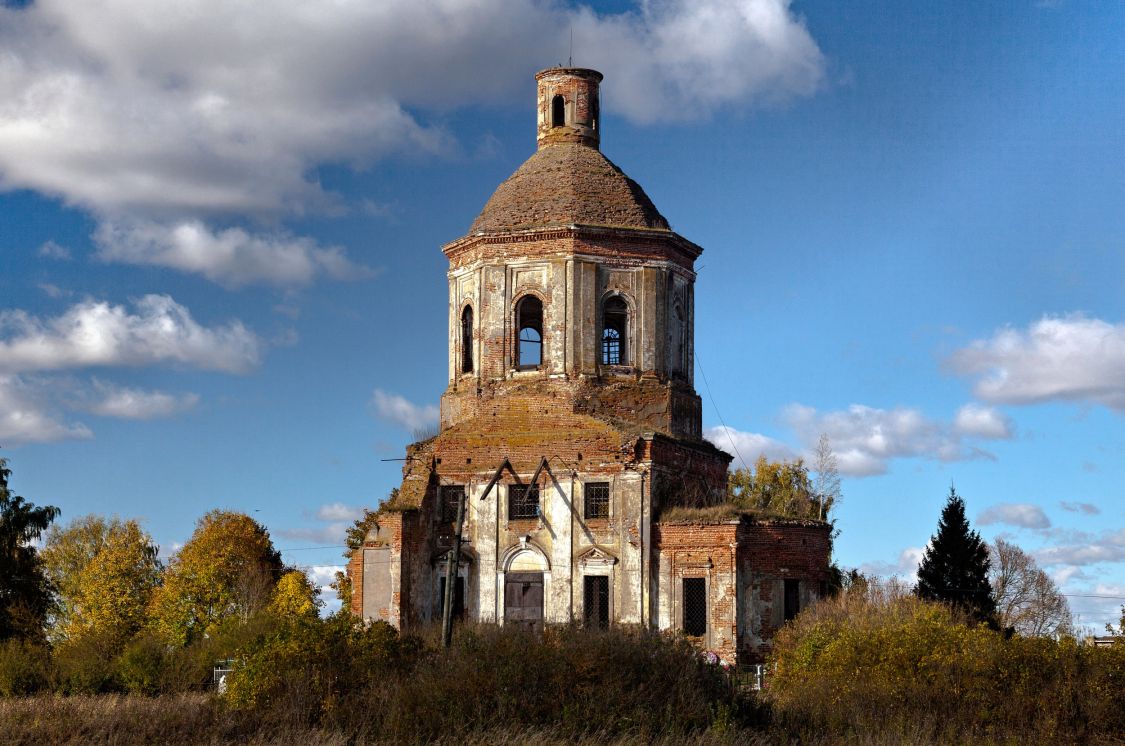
(904, 568)
(95, 333)
(1070, 358)
(137, 404)
(51, 250)
(226, 110)
(231, 257)
(400, 411)
(1086, 508)
(748, 445)
(26, 415)
(866, 438)
(338, 512)
(53, 291)
(322, 577)
(1023, 515)
(1086, 549)
(983, 422)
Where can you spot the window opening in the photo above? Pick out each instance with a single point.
(451, 496)
(523, 501)
(529, 322)
(595, 601)
(458, 598)
(467, 340)
(792, 598)
(615, 318)
(558, 111)
(597, 499)
(695, 607)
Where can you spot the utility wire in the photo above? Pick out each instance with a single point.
(699, 364)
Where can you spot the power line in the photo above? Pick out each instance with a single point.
(699, 364)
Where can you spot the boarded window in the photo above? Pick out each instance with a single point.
(451, 496)
(467, 340)
(523, 501)
(597, 499)
(529, 323)
(595, 601)
(792, 598)
(615, 319)
(695, 607)
(458, 599)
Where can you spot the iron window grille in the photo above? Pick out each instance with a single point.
(596, 601)
(523, 501)
(695, 607)
(451, 496)
(597, 499)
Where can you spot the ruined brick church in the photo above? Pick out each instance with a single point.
(571, 429)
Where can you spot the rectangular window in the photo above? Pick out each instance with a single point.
(523, 501)
(597, 499)
(458, 599)
(695, 607)
(595, 601)
(451, 496)
(792, 598)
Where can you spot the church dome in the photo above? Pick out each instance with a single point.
(567, 183)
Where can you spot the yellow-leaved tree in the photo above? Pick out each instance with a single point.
(227, 569)
(781, 488)
(295, 597)
(105, 572)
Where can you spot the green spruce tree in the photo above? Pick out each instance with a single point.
(25, 592)
(954, 568)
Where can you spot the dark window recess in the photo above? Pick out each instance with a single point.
(615, 319)
(595, 601)
(695, 607)
(458, 599)
(529, 322)
(523, 501)
(451, 495)
(597, 499)
(792, 598)
(679, 342)
(558, 111)
(467, 340)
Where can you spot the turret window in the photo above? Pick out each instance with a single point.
(529, 322)
(558, 111)
(615, 320)
(467, 340)
(679, 342)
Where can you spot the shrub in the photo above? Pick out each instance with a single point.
(143, 665)
(24, 667)
(85, 665)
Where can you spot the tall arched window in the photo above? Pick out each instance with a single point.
(467, 340)
(615, 321)
(529, 323)
(558, 111)
(679, 342)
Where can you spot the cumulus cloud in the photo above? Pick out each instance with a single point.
(226, 110)
(1086, 508)
(137, 404)
(96, 333)
(322, 577)
(1086, 549)
(866, 438)
(1069, 358)
(230, 257)
(51, 250)
(747, 445)
(982, 422)
(1023, 515)
(905, 567)
(338, 512)
(27, 416)
(400, 411)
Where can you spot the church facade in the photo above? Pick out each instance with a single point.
(571, 429)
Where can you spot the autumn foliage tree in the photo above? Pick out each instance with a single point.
(295, 597)
(25, 591)
(954, 567)
(105, 573)
(777, 487)
(227, 569)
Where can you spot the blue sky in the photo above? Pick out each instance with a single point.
(221, 283)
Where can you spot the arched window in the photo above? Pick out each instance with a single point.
(558, 111)
(679, 342)
(529, 323)
(615, 320)
(467, 340)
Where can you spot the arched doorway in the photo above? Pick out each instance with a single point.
(523, 590)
